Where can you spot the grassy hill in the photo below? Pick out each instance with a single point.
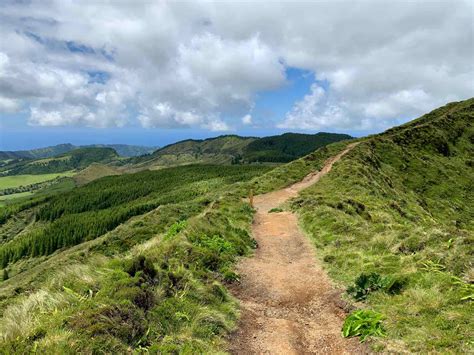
(39, 153)
(218, 150)
(232, 149)
(400, 205)
(93, 172)
(72, 160)
(127, 262)
(288, 146)
(124, 150)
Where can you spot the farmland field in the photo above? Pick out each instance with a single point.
(7, 182)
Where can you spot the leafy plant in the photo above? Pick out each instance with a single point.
(363, 323)
(367, 283)
(175, 229)
(275, 210)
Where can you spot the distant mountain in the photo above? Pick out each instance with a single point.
(39, 153)
(227, 149)
(75, 159)
(236, 149)
(123, 150)
(126, 150)
(218, 150)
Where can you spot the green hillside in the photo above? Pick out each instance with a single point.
(401, 205)
(72, 160)
(233, 149)
(288, 146)
(218, 150)
(118, 283)
(124, 150)
(39, 153)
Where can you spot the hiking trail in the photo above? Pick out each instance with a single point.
(288, 304)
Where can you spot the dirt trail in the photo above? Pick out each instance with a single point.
(288, 303)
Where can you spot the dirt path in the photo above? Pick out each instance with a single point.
(288, 303)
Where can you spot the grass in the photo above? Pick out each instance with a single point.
(404, 209)
(155, 283)
(15, 196)
(23, 180)
(284, 175)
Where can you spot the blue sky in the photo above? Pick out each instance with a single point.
(174, 70)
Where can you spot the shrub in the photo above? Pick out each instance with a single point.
(363, 323)
(367, 283)
(144, 265)
(122, 321)
(411, 245)
(175, 229)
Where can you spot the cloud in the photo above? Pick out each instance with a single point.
(9, 105)
(247, 119)
(317, 111)
(107, 64)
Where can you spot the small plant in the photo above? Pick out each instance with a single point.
(363, 323)
(467, 289)
(368, 283)
(431, 266)
(231, 276)
(275, 210)
(175, 229)
(5, 275)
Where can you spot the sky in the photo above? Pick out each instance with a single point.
(155, 72)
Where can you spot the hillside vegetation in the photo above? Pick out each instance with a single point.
(124, 150)
(288, 146)
(39, 153)
(397, 215)
(232, 149)
(72, 160)
(95, 171)
(154, 283)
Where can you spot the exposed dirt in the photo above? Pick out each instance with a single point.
(288, 303)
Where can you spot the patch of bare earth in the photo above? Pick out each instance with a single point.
(288, 303)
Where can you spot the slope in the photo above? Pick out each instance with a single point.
(218, 150)
(152, 283)
(124, 150)
(232, 149)
(394, 220)
(39, 153)
(288, 146)
(72, 160)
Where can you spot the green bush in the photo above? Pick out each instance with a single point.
(367, 283)
(363, 323)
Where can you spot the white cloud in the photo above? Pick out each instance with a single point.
(199, 66)
(9, 105)
(316, 111)
(247, 119)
